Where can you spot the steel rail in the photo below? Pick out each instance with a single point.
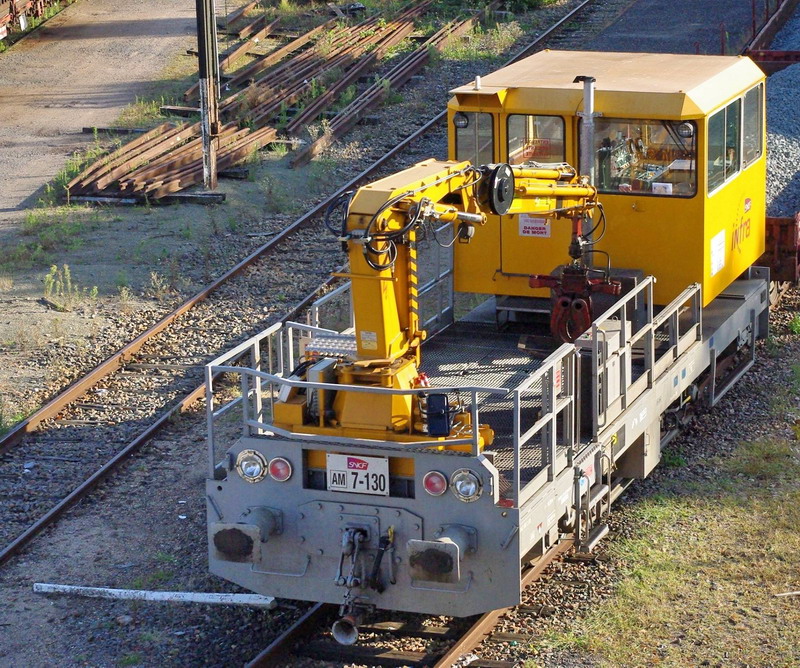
(276, 652)
(482, 628)
(16, 545)
(783, 12)
(113, 363)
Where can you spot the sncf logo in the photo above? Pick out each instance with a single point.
(356, 463)
(748, 203)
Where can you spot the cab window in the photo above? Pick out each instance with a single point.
(535, 139)
(752, 125)
(646, 157)
(474, 137)
(724, 144)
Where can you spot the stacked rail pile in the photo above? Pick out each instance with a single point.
(372, 96)
(17, 8)
(169, 158)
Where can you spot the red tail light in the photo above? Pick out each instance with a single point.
(280, 469)
(435, 483)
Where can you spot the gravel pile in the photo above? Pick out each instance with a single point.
(783, 141)
(783, 128)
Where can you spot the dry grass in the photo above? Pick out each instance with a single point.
(700, 576)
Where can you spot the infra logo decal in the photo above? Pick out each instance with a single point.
(741, 231)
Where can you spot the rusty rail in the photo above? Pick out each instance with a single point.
(483, 627)
(169, 159)
(354, 112)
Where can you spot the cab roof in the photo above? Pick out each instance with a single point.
(632, 85)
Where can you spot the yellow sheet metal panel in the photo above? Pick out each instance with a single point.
(734, 230)
(633, 85)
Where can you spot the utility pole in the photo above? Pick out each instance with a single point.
(209, 88)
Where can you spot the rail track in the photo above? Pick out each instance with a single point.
(166, 362)
(448, 644)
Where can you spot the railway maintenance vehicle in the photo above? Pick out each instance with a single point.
(525, 338)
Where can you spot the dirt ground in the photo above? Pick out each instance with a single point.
(92, 60)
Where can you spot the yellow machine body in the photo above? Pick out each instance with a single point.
(684, 209)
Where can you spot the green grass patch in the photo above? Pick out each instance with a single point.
(700, 575)
(484, 44)
(764, 459)
(152, 580)
(47, 231)
(9, 417)
(132, 659)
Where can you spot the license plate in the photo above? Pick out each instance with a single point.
(361, 475)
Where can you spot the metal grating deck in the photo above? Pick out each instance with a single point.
(472, 353)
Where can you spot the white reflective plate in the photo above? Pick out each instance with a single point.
(362, 475)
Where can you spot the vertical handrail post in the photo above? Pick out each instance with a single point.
(255, 363)
(245, 385)
(517, 428)
(210, 419)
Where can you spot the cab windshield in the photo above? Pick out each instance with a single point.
(646, 157)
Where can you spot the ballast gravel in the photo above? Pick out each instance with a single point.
(783, 128)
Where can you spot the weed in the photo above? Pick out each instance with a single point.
(794, 324)
(62, 292)
(279, 149)
(159, 286)
(122, 280)
(480, 44)
(317, 130)
(327, 43)
(672, 460)
(132, 659)
(166, 558)
(315, 88)
(772, 347)
(347, 96)
(9, 417)
(6, 283)
(390, 96)
(277, 199)
(186, 231)
(125, 295)
(526, 5)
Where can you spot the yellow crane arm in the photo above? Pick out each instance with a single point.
(384, 217)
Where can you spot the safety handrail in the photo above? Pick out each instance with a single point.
(539, 385)
(652, 370)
